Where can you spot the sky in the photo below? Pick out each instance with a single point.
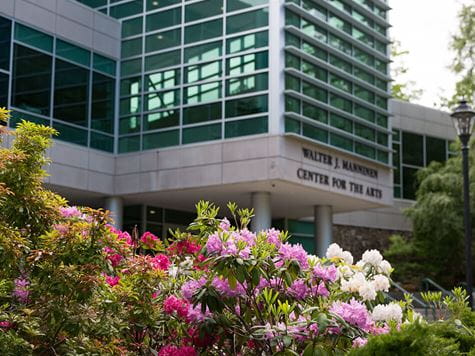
(424, 28)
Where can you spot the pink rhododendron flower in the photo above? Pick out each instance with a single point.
(161, 262)
(223, 287)
(196, 315)
(354, 313)
(273, 237)
(296, 252)
(112, 280)
(225, 224)
(124, 235)
(359, 342)
(70, 212)
(172, 350)
(173, 305)
(21, 291)
(5, 325)
(149, 239)
(214, 244)
(299, 289)
(189, 288)
(61, 228)
(329, 273)
(320, 290)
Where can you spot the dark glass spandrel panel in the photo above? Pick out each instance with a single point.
(129, 124)
(162, 80)
(246, 106)
(202, 133)
(315, 133)
(409, 183)
(161, 139)
(247, 84)
(102, 108)
(71, 89)
(104, 64)
(247, 127)
(3, 90)
(247, 21)
(163, 19)
(204, 31)
(247, 42)
(163, 40)
(125, 10)
(102, 142)
(71, 134)
(31, 89)
(73, 53)
(132, 27)
(202, 113)
(5, 39)
(162, 119)
(412, 149)
(129, 144)
(204, 52)
(435, 150)
(33, 38)
(233, 5)
(162, 60)
(203, 9)
(157, 4)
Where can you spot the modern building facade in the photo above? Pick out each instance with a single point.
(282, 106)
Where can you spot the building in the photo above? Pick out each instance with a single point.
(278, 105)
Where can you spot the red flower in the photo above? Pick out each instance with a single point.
(161, 262)
(112, 281)
(184, 246)
(149, 239)
(175, 305)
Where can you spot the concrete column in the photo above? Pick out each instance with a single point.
(323, 223)
(116, 207)
(262, 210)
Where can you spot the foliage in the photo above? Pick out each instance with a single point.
(400, 89)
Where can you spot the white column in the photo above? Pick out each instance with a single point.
(262, 210)
(116, 207)
(323, 223)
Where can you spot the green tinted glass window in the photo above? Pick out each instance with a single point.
(130, 105)
(292, 104)
(381, 102)
(125, 10)
(435, 150)
(314, 31)
(102, 106)
(364, 113)
(17, 117)
(233, 5)
(314, 92)
(340, 44)
(292, 125)
(365, 132)
(205, 52)
(292, 19)
(162, 80)
(4, 90)
(129, 144)
(314, 112)
(161, 139)
(364, 57)
(130, 86)
(247, 42)
(131, 48)
(203, 9)
(314, 71)
(5, 39)
(102, 142)
(163, 19)
(315, 133)
(162, 60)
(382, 138)
(202, 92)
(202, 113)
(341, 142)
(412, 149)
(341, 103)
(292, 61)
(382, 156)
(199, 72)
(163, 40)
(292, 83)
(364, 94)
(364, 150)
(341, 83)
(382, 120)
(162, 119)
(132, 27)
(341, 123)
(363, 75)
(31, 83)
(33, 37)
(314, 51)
(73, 53)
(340, 63)
(71, 93)
(202, 133)
(133, 66)
(157, 4)
(247, 63)
(409, 180)
(129, 124)
(71, 134)
(340, 24)
(292, 40)
(314, 9)
(247, 127)
(204, 31)
(247, 84)
(161, 100)
(247, 21)
(104, 64)
(246, 106)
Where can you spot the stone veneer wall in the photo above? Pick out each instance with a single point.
(358, 239)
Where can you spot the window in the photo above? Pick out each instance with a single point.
(202, 113)
(129, 144)
(315, 133)
(292, 125)
(130, 105)
(202, 92)
(163, 40)
(340, 83)
(3, 90)
(129, 124)
(247, 42)
(131, 67)
(204, 31)
(205, 52)
(364, 94)
(315, 113)
(102, 107)
(162, 60)
(103, 64)
(364, 150)
(5, 37)
(206, 71)
(71, 134)
(341, 142)
(162, 80)
(247, 127)
(202, 133)
(157, 4)
(233, 5)
(341, 123)
(292, 104)
(292, 83)
(130, 86)
(247, 21)
(246, 106)
(33, 38)
(365, 132)
(314, 31)
(340, 63)
(163, 19)
(339, 24)
(409, 180)
(246, 84)
(162, 119)
(435, 150)
(161, 139)
(102, 142)
(314, 71)
(31, 80)
(340, 44)
(341, 103)
(247, 63)
(292, 61)
(161, 100)
(314, 51)
(131, 48)
(203, 9)
(125, 10)
(314, 92)
(132, 27)
(412, 149)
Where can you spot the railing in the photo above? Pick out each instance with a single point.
(417, 302)
(429, 285)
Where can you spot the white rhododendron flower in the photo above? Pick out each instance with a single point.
(372, 257)
(387, 312)
(367, 291)
(348, 257)
(385, 267)
(354, 283)
(381, 283)
(345, 272)
(334, 251)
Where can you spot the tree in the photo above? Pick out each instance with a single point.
(400, 89)
(437, 245)
(463, 64)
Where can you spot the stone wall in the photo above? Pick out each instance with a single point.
(359, 239)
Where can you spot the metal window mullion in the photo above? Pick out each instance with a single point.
(182, 77)
(10, 61)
